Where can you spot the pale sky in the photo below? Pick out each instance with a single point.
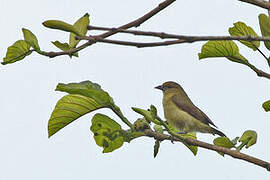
(229, 93)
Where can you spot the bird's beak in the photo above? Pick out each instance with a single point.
(159, 87)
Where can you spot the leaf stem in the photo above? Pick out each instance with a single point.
(239, 148)
(267, 59)
(118, 112)
(259, 72)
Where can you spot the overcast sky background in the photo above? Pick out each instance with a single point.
(229, 93)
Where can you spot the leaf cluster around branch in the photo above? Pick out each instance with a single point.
(86, 97)
(240, 32)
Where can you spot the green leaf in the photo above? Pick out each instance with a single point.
(157, 128)
(241, 29)
(81, 26)
(248, 138)
(68, 109)
(156, 147)
(60, 25)
(223, 142)
(93, 91)
(84, 97)
(266, 106)
(64, 47)
(17, 52)
(31, 39)
(264, 22)
(106, 133)
(88, 89)
(193, 149)
(226, 49)
(218, 49)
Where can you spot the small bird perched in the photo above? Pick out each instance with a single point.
(181, 113)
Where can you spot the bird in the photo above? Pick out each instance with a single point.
(182, 114)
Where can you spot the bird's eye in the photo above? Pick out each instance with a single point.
(167, 87)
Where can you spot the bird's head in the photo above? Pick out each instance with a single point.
(170, 86)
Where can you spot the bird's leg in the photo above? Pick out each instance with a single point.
(172, 130)
(180, 132)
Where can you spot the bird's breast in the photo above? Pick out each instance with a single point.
(174, 116)
(180, 119)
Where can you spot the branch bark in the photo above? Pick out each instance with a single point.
(260, 3)
(194, 142)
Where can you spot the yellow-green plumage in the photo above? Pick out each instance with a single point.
(181, 113)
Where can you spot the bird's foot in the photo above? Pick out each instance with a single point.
(182, 132)
(172, 139)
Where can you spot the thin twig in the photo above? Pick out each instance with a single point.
(194, 142)
(260, 3)
(266, 58)
(190, 39)
(134, 23)
(118, 112)
(261, 53)
(259, 72)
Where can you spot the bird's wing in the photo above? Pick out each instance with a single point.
(191, 109)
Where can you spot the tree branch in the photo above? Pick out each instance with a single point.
(194, 142)
(129, 43)
(185, 38)
(134, 23)
(180, 39)
(259, 72)
(260, 3)
(266, 58)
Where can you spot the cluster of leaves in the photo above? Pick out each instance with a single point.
(85, 97)
(230, 50)
(22, 48)
(248, 139)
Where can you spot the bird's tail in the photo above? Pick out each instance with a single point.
(215, 131)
